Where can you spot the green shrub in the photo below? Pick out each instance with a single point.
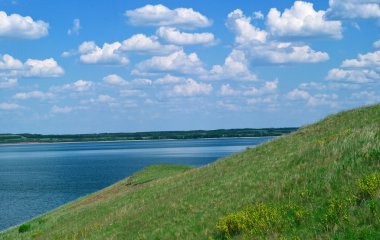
(24, 228)
(368, 186)
(255, 221)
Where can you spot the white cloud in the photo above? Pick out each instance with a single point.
(235, 67)
(258, 15)
(355, 76)
(108, 54)
(313, 100)
(227, 90)
(191, 88)
(269, 101)
(173, 35)
(42, 68)
(364, 69)
(7, 62)
(376, 44)
(115, 79)
(297, 94)
(57, 109)
(285, 52)
(75, 28)
(301, 20)
(33, 94)
(354, 9)
(78, 86)
(255, 44)
(144, 44)
(31, 68)
(159, 15)
(371, 60)
(9, 106)
(7, 82)
(142, 81)
(101, 99)
(17, 26)
(168, 79)
(82, 85)
(244, 30)
(269, 87)
(176, 62)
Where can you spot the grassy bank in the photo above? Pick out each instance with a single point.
(317, 183)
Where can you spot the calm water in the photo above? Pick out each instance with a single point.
(35, 178)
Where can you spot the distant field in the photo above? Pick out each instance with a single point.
(220, 133)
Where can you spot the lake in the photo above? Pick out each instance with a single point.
(36, 178)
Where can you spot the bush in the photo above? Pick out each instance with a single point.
(255, 221)
(368, 186)
(24, 228)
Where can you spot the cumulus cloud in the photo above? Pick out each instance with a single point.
(33, 94)
(142, 43)
(297, 94)
(191, 88)
(255, 43)
(243, 29)
(168, 79)
(364, 69)
(114, 79)
(371, 60)
(173, 35)
(176, 62)
(77, 86)
(42, 68)
(160, 15)
(17, 26)
(9, 106)
(301, 20)
(269, 87)
(75, 28)
(354, 76)
(7, 62)
(236, 67)
(30, 68)
(285, 52)
(227, 90)
(107, 54)
(313, 100)
(354, 9)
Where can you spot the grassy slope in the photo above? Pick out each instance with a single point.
(307, 169)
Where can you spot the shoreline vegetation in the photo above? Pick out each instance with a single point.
(26, 138)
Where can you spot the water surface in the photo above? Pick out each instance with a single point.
(36, 178)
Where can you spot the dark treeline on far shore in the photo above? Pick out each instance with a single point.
(195, 134)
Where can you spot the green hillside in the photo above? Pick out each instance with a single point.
(321, 182)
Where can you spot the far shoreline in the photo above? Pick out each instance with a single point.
(140, 140)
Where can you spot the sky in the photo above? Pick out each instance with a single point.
(130, 66)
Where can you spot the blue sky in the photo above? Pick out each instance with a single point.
(125, 66)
